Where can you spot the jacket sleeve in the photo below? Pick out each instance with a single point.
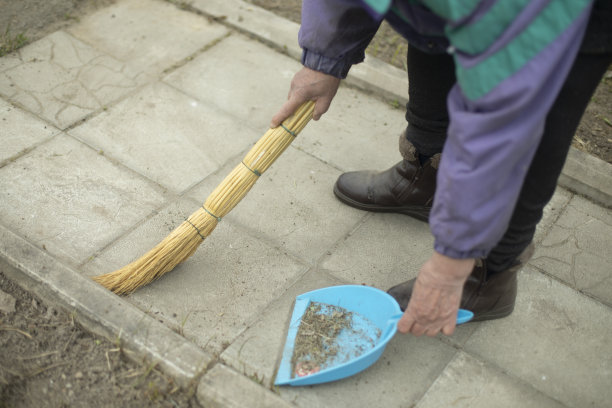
(334, 35)
(509, 72)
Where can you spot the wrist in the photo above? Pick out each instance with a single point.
(338, 68)
(449, 269)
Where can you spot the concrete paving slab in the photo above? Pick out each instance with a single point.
(9, 61)
(223, 387)
(258, 350)
(292, 205)
(70, 200)
(149, 36)
(577, 249)
(557, 340)
(372, 76)
(167, 136)
(469, 382)
(371, 253)
(20, 131)
(552, 212)
(214, 295)
(62, 79)
(238, 70)
(358, 132)
(240, 76)
(590, 209)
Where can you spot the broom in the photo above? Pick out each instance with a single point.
(185, 239)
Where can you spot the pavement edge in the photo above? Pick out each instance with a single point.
(588, 176)
(141, 337)
(224, 388)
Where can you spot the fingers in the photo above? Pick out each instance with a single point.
(285, 111)
(321, 106)
(409, 325)
(405, 323)
(418, 320)
(308, 85)
(449, 329)
(417, 329)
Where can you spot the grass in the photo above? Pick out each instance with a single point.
(10, 42)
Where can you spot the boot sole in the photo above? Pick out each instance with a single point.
(419, 212)
(497, 314)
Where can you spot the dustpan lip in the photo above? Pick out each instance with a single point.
(354, 365)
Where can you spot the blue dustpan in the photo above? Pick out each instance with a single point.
(374, 317)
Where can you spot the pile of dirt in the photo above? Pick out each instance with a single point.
(47, 360)
(328, 336)
(316, 340)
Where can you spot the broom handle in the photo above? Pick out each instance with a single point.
(261, 156)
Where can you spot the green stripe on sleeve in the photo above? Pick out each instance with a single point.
(379, 6)
(478, 36)
(552, 21)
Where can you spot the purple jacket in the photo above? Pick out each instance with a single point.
(511, 59)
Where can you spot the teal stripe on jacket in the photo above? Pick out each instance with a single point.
(478, 80)
(479, 35)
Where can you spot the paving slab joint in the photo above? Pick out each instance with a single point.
(191, 57)
(141, 337)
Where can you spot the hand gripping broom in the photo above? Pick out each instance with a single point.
(185, 239)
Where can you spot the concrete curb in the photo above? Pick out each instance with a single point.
(224, 388)
(589, 176)
(583, 173)
(100, 311)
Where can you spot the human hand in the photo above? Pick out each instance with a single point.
(308, 85)
(435, 297)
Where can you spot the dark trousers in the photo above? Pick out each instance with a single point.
(430, 78)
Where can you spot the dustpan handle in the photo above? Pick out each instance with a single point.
(392, 325)
(463, 316)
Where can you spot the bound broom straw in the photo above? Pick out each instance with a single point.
(185, 239)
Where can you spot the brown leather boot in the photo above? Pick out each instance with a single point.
(406, 188)
(488, 297)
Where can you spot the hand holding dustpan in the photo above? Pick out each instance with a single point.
(373, 316)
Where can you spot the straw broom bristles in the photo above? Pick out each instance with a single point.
(185, 239)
